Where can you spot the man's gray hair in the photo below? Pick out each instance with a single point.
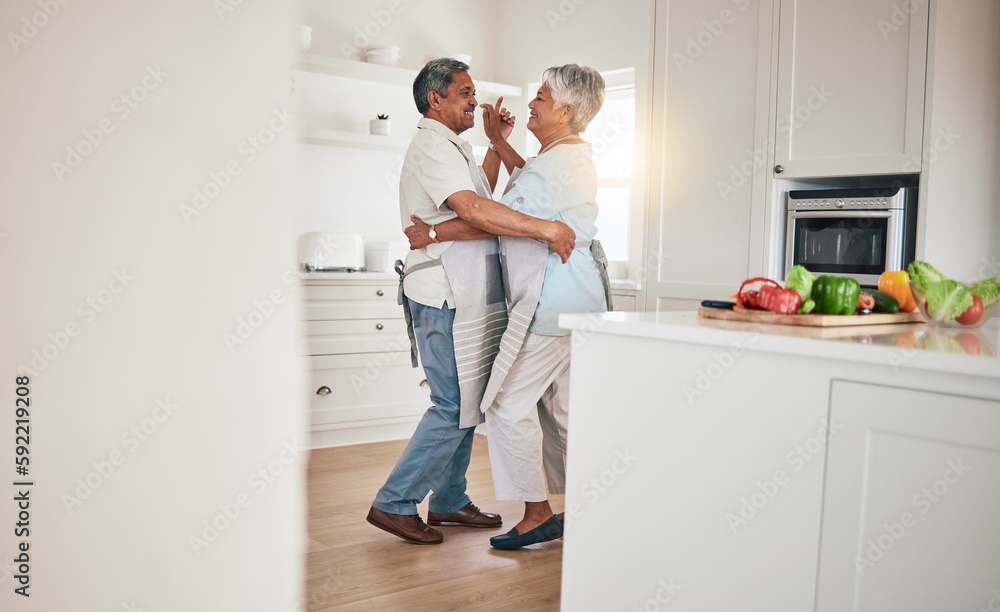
(581, 87)
(435, 76)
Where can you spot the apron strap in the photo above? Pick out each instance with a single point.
(401, 299)
(597, 252)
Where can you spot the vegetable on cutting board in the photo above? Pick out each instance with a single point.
(770, 296)
(801, 280)
(776, 299)
(883, 301)
(897, 285)
(836, 295)
(748, 298)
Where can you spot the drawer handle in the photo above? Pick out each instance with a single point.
(324, 390)
(424, 383)
(378, 326)
(380, 293)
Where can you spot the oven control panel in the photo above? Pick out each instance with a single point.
(847, 199)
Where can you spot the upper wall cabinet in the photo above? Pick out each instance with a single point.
(850, 96)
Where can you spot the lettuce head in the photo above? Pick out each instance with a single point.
(923, 275)
(800, 280)
(988, 291)
(947, 299)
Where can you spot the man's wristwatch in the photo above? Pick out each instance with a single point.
(494, 147)
(432, 234)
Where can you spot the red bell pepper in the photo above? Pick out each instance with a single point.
(776, 299)
(750, 298)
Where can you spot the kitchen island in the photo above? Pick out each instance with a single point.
(715, 465)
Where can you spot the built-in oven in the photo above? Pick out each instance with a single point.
(851, 232)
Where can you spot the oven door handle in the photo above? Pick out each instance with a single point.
(827, 214)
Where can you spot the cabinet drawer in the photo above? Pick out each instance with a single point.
(625, 302)
(381, 327)
(376, 343)
(330, 310)
(382, 292)
(367, 392)
(379, 360)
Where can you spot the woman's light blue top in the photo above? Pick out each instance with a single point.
(561, 185)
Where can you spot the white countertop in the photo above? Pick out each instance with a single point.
(616, 283)
(626, 284)
(341, 276)
(906, 345)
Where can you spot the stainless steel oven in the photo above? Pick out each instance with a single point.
(851, 232)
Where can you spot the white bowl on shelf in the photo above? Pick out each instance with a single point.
(385, 55)
(305, 38)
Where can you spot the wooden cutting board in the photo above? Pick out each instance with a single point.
(811, 320)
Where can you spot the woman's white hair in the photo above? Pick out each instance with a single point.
(581, 87)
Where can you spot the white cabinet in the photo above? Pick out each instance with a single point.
(626, 295)
(625, 301)
(362, 385)
(822, 88)
(709, 126)
(770, 473)
(850, 87)
(911, 486)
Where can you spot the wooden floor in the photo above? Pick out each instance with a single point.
(352, 565)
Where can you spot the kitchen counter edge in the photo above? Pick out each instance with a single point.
(687, 327)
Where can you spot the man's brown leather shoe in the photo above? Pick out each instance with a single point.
(407, 526)
(468, 516)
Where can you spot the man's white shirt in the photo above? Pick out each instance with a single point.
(433, 170)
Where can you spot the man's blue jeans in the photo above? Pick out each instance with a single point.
(438, 453)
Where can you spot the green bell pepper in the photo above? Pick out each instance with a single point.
(836, 295)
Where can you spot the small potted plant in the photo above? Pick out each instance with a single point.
(380, 125)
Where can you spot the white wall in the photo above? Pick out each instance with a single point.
(603, 34)
(151, 353)
(960, 223)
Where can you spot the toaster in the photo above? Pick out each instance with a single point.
(331, 252)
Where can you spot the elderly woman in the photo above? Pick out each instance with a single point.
(526, 401)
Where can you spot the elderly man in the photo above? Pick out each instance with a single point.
(452, 294)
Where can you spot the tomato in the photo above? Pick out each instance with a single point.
(973, 313)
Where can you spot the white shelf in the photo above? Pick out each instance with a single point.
(371, 142)
(354, 140)
(390, 75)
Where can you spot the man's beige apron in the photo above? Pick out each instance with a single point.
(473, 271)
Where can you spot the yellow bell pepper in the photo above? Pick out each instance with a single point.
(897, 284)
